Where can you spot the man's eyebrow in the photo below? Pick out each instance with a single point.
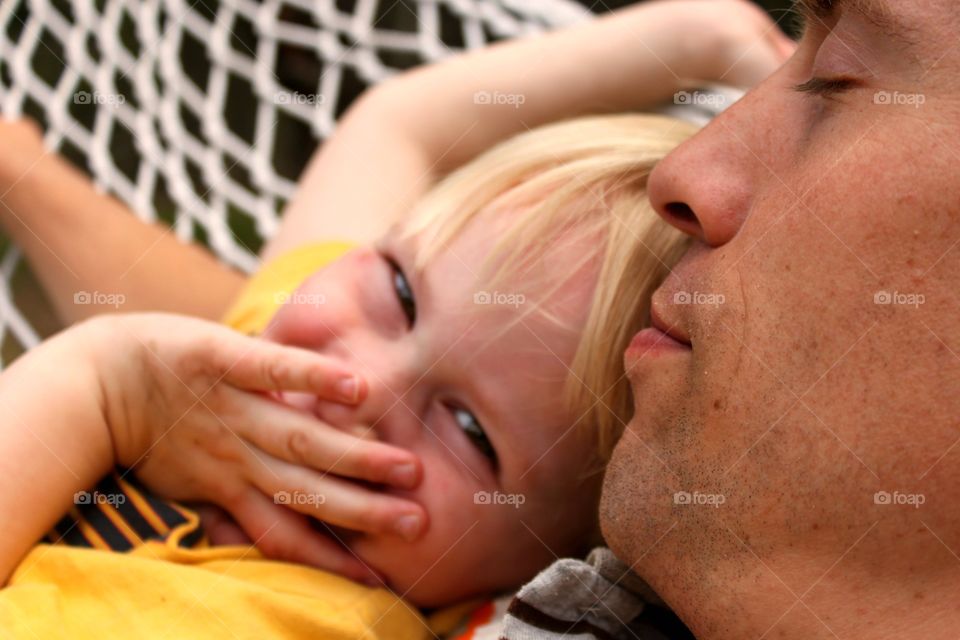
(877, 12)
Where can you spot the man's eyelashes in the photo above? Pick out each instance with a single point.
(825, 87)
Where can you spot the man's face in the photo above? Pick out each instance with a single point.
(821, 316)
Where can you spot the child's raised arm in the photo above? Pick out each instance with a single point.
(403, 134)
(390, 147)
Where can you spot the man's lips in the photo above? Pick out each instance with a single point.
(651, 341)
(660, 338)
(671, 329)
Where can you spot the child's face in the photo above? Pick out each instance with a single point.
(478, 400)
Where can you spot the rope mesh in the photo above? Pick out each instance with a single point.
(201, 113)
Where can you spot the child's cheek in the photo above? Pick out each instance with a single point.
(450, 507)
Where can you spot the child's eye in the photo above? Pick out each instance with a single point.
(471, 427)
(401, 287)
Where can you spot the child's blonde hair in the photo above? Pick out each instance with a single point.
(579, 179)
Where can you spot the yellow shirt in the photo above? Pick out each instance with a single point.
(267, 289)
(159, 590)
(170, 583)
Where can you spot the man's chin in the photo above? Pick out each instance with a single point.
(635, 504)
(618, 500)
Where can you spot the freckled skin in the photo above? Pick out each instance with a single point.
(806, 208)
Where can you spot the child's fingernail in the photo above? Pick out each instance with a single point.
(349, 388)
(408, 527)
(402, 475)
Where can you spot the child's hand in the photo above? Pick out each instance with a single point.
(192, 410)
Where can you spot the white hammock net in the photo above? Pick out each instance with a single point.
(203, 113)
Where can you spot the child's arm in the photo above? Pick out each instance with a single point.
(187, 405)
(78, 240)
(389, 148)
(52, 440)
(403, 134)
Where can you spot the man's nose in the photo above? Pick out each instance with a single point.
(705, 186)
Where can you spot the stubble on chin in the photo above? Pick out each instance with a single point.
(640, 517)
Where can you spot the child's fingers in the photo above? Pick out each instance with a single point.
(220, 528)
(282, 534)
(256, 364)
(337, 501)
(301, 439)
